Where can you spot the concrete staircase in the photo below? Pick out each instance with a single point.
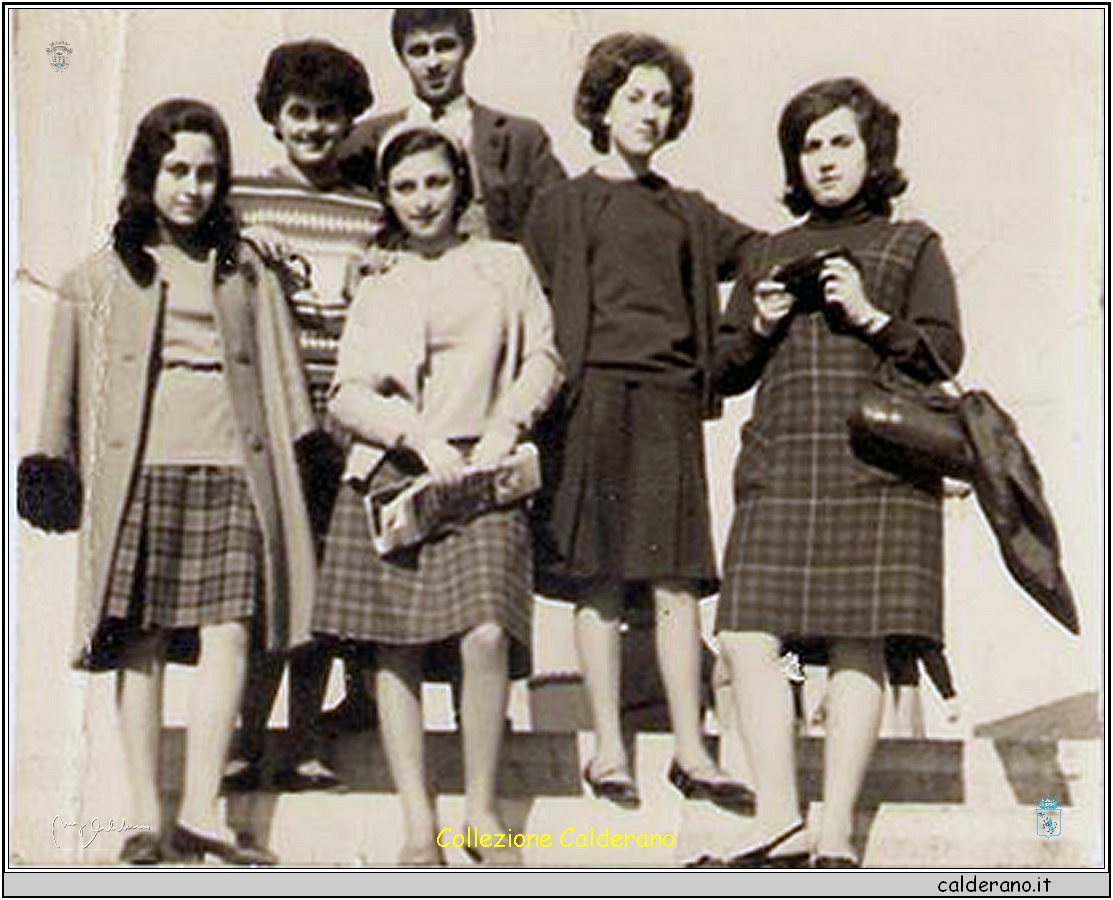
(926, 803)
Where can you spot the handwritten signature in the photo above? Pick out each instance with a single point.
(94, 827)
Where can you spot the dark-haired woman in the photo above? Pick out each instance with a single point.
(829, 556)
(632, 265)
(316, 226)
(174, 401)
(446, 361)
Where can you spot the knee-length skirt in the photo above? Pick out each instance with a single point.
(189, 554)
(481, 572)
(865, 565)
(626, 493)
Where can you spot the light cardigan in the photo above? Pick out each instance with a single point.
(453, 347)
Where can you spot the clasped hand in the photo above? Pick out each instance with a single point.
(447, 465)
(841, 283)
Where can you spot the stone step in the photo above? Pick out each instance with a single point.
(926, 803)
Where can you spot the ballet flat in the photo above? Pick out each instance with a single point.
(731, 795)
(620, 790)
(181, 844)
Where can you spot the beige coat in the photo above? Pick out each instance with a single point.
(99, 388)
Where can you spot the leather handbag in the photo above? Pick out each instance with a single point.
(911, 428)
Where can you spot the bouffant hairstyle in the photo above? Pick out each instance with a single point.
(317, 70)
(610, 63)
(137, 223)
(877, 124)
(408, 142)
(407, 19)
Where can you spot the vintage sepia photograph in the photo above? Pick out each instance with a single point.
(575, 439)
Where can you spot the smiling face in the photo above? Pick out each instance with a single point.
(187, 178)
(421, 189)
(833, 159)
(311, 130)
(639, 114)
(435, 59)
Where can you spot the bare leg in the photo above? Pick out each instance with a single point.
(678, 655)
(483, 715)
(597, 641)
(215, 700)
(854, 704)
(139, 704)
(763, 706)
(398, 684)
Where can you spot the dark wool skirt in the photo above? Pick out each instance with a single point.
(626, 498)
(430, 595)
(189, 553)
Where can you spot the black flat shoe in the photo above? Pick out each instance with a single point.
(759, 857)
(181, 844)
(732, 795)
(619, 789)
(836, 861)
(143, 849)
(296, 781)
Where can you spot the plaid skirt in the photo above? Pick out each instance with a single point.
(626, 495)
(431, 595)
(189, 553)
(811, 570)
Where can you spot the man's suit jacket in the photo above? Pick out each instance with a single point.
(512, 156)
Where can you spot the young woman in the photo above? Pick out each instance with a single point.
(316, 227)
(174, 401)
(828, 555)
(447, 359)
(631, 265)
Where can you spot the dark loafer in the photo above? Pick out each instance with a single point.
(615, 786)
(143, 849)
(731, 795)
(181, 844)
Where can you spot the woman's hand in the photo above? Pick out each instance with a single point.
(495, 445)
(773, 303)
(270, 242)
(443, 462)
(842, 289)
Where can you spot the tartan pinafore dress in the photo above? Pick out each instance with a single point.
(823, 545)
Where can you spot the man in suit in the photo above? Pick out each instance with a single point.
(512, 158)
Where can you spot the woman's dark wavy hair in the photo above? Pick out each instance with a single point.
(610, 63)
(408, 19)
(137, 225)
(878, 125)
(407, 143)
(317, 70)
